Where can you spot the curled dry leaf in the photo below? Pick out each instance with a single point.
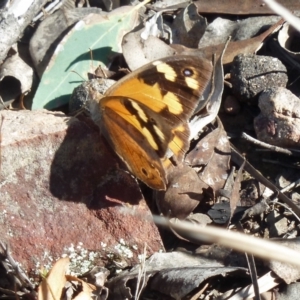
(15, 18)
(138, 52)
(188, 27)
(208, 108)
(183, 194)
(17, 77)
(142, 46)
(85, 291)
(52, 286)
(288, 38)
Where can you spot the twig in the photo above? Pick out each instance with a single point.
(239, 159)
(292, 185)
(12, 267)
(284, 13)
(141, 275)
(285, 206)
(275, 162)
(49, 9)
(270, 147)
(199, 293)
(265, 249)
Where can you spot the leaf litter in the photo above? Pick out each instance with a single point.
(216, 175)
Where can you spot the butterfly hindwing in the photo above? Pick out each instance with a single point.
(134, 149)
(156, 130)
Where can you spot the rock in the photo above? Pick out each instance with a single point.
(278, 224)
(279, 121)
(61, 193)
(289, 292)
(288, 272)
(251, 74)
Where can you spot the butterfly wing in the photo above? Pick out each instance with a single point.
(145, 114)
(171, 88)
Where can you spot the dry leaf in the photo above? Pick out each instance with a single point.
(184, 192)
(188, 27)
(213, 152)
(52, 286)
(234, 48)
(86, 289)
(241, 7)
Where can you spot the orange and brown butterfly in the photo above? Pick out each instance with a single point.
(144, 116)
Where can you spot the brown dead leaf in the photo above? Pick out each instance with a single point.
(241, 7)
(234, 48)
(188, 27)
(52, 286)
(86, 288)
(213, 152)
(184, 192)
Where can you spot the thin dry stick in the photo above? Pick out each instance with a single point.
(270, 147)
(22, 106)
(275, 162)
(284, 13)
(14, 268)
(259, 247)
(294, 184)
(265, 249)
(286, 207)
(141, 275)
(198, 294)
(239, 159)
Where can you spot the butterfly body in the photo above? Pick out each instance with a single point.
(144, 115)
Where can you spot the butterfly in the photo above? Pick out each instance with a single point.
(144, 116)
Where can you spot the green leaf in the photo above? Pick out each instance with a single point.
(98, 34)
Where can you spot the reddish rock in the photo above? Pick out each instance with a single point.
(61, 188)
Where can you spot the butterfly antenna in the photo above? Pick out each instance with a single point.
(92, 58)
(78, 75)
